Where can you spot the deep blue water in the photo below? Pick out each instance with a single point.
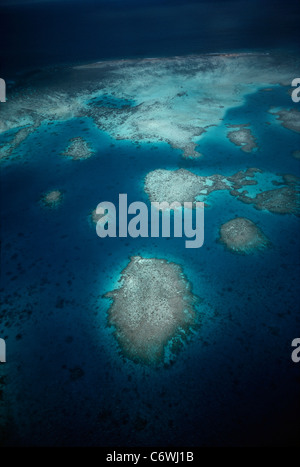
(46, 33)
(67, 382)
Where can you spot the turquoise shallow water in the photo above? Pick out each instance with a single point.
(66, 379)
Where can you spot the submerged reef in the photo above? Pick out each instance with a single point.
(94, 217)
(296, 155)
(242, 137)
(52, 199)
(283, 200)
(183, 186)
(179, 185)
(153, 309)
(240, 235)
(289, 119)
(78, 148)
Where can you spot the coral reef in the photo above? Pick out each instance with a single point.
(153, 305)
(240, 235)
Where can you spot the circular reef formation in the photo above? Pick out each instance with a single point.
(153, 310)
(240, 235)
(52, 199)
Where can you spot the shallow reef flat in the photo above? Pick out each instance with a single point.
(172, 100)
(241, 235)
(153, 309)
(182, 186)
(243, 137)
(296, 155)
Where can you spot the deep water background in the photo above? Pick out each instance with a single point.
(67, 382)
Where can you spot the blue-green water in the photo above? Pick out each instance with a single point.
(66, 379)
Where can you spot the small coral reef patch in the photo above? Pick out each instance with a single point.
(94, 217)
(240, 235)
(283, 200)
(78, 149)
(242, 137)
(289, 119)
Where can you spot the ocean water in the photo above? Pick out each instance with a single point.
(46, 32)
(67, 382)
